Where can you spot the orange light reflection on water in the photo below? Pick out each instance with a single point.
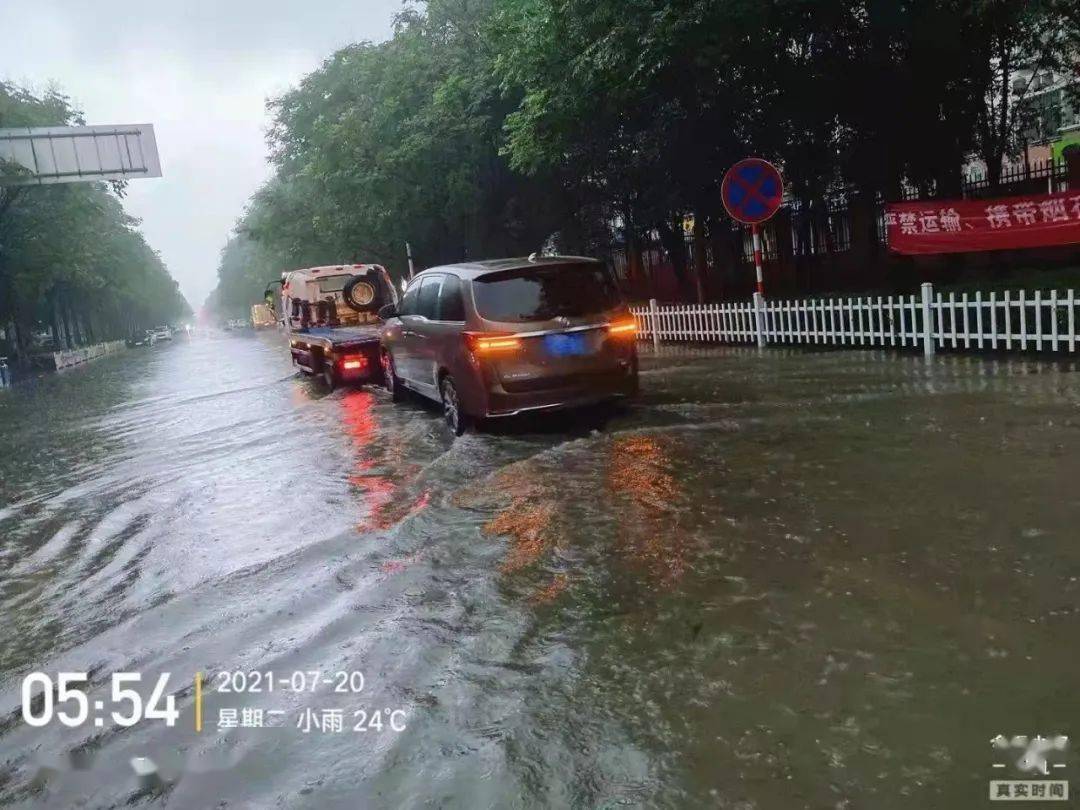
(639, 490)
(526, 513)
(647, 496)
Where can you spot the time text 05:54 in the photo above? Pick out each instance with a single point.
(67, 699)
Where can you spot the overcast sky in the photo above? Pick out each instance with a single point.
(200, 71)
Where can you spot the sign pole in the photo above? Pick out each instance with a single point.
(752, 191)
(757, 258)
(408, 253)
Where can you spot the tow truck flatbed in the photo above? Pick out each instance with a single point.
(339, 354)
(339, 335)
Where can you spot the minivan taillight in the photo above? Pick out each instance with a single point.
(486, 343)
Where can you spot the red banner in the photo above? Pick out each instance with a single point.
(962, 226)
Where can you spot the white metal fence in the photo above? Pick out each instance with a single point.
(1008, 321)
(74, 357)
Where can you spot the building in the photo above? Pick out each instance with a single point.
(1050, 111)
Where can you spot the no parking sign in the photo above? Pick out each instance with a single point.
(752, 191)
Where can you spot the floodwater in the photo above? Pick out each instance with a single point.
(780, 580)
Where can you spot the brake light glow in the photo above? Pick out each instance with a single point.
(353, 362)
(480, 343)
(622, 328)
(497, 344)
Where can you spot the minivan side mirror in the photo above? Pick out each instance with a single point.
(387, 312)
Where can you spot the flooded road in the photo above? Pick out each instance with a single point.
(780, 580)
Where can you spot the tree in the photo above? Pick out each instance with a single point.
(393, 143)
(71, 259)
(488, 127)
(1032, 36)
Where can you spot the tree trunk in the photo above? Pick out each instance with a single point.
(1072, 169)
(54, 317)
(88, 327)
(700, 261)
(726, 259)
(12, 333)
(634, 272)
(1001, 125)
(65, 309)
(675, 244)
(80, 332)
(19, 344)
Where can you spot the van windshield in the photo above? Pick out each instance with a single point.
(546, 292)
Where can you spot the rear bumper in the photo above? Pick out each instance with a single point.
(500, 403)
(566, 404)
(367, 374)
(314, 360)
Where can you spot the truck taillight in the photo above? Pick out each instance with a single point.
(353, 362)
(623, 328)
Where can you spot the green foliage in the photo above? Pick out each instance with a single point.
(387, 144)
(658, 96)
(70, 257)
(485, 127)
(242, 277)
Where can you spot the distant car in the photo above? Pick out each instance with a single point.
(162, 333)
(508, 336)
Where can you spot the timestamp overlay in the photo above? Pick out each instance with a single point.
(780, 580)
(227, 704)
(232, 693)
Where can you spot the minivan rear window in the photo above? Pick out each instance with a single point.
(545, 292)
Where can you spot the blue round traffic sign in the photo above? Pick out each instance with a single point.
(752, 190)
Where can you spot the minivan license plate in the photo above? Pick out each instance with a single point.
(567, 344)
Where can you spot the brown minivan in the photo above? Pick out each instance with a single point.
(507, 336)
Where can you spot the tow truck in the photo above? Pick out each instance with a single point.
(329, 313)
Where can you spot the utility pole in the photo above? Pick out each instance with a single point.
(408, 254)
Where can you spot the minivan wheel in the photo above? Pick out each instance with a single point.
(390, 378)
(455, 419)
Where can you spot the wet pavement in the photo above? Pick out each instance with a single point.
(781, 580)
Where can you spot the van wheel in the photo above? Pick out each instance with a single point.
(329, 379)
(455, 419)
(390, 378)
